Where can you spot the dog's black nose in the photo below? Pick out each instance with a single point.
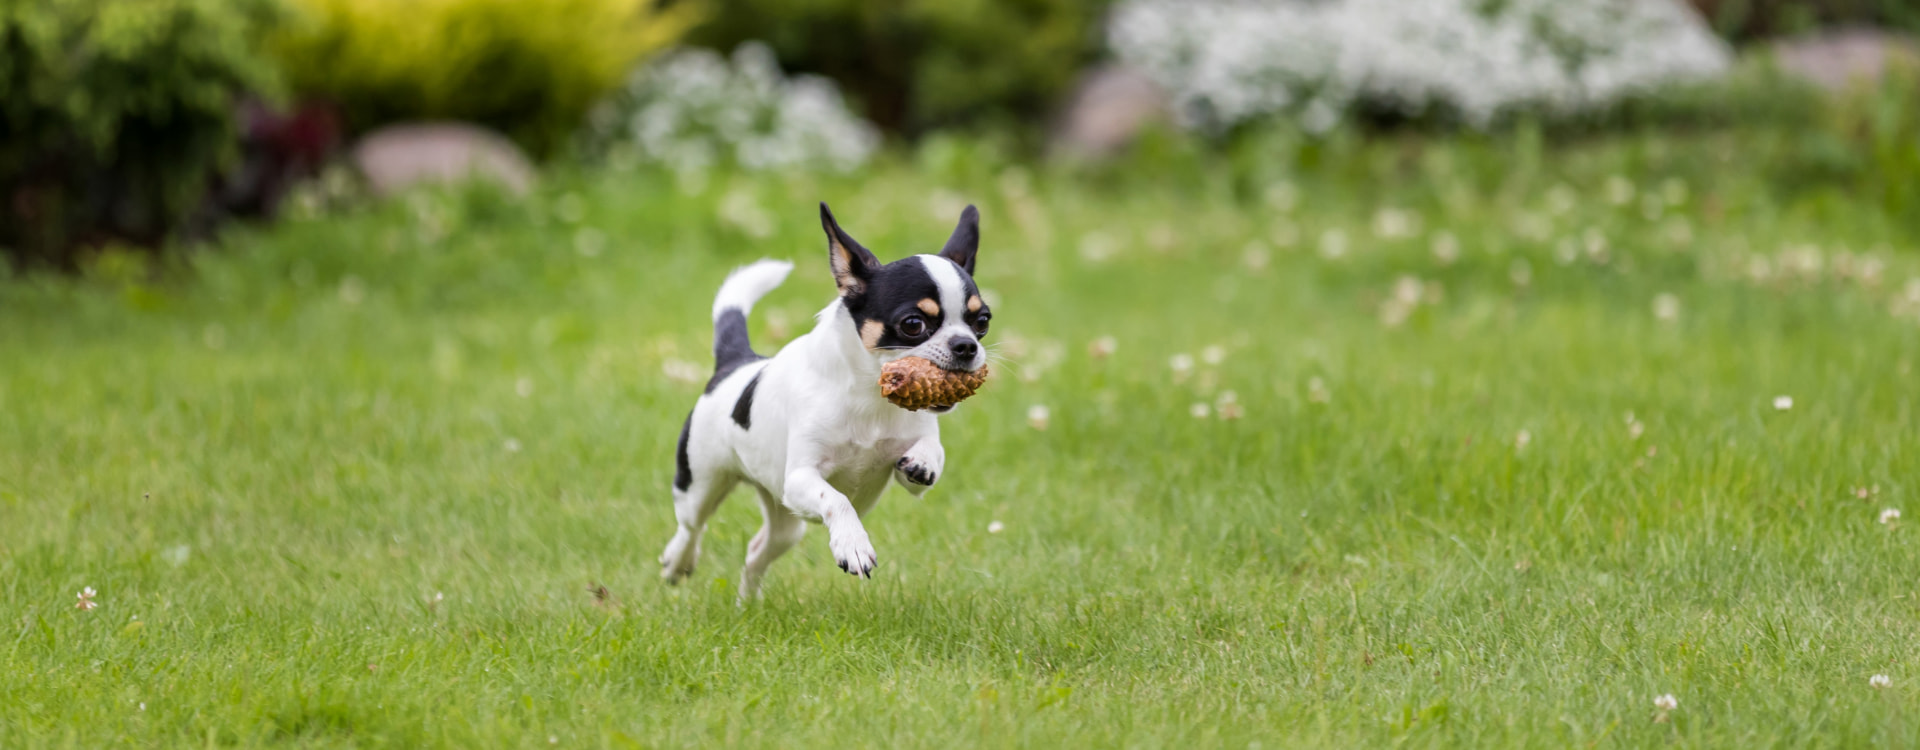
(964, 348)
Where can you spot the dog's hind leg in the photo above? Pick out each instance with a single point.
(692, 507)
(778, 534)
(695, 497)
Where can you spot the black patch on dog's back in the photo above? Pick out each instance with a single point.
(682, 469)
(743, 408)
(732, 349)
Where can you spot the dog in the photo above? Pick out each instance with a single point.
(808, 429)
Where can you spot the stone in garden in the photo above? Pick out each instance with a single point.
(1109, 108)
(1839, 58)
(399, 157)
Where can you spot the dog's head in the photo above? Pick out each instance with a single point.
(919, 306)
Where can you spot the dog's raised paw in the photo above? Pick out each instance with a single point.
(853, 552)
(917, 472)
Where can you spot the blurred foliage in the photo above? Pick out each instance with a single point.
(1743, 20)
(115, 114)
(919, 65)
(694, 109)
(1755, 93)
(529, 68)
(1866, 148)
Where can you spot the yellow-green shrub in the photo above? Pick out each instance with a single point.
(530, 68)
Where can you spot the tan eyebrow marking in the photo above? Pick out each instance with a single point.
(870, 333)
(973, 303)
(929, 307)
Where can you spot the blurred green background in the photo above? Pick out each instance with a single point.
(142, 123)
(1370, 372)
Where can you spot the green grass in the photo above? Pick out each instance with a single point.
(289, 470)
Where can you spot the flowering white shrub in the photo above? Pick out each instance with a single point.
(1226, 61)
(693, 109)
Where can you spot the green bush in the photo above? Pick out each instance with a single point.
(115, 113)
(529, 68)
(1866, 149)
(1755, 93)
(1751, 19)
(917, 65)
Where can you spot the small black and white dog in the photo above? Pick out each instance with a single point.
(808, 428)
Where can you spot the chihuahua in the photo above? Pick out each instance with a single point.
(808, 428)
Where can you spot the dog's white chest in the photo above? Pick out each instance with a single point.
(861, 462)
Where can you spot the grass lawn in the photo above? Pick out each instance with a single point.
(1511, 462)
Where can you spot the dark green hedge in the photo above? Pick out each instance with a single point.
(918, 65)
(115, 114)
(1746, 20)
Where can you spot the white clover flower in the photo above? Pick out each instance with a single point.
(1317, 391)
(1200, 410)
(1395, 223)
(740, 210)
(681, 370)
(86, 599)
(1227, 405)
(1561, 199)
(1889, 516)
(1446, 248)
(1256, 256)
(1214, 354)
(1782, 403)
(1037, 416)
(1666, 702)
(995, 527)
(1522, 439)
(1333, 244)
(1619, 190)
(1880, 682)
(352, 290)
(1182, 365)
(1674, 190)
(1283, 196)
(1520, 271)
(1666, 306)
(1103, 347)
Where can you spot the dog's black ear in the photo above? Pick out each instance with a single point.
(852, 264)
(965, 241)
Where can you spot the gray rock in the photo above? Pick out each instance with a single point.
(398, 157)
(1109, 108)
(1839, 58)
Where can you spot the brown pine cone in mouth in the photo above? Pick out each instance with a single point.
(914, 383)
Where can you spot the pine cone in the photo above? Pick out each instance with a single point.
(913, 383)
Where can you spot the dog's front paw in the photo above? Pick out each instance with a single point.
(917, 472)
(854, 552)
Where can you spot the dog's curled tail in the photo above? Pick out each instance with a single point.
(745, 286)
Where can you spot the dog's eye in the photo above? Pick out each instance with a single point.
(913, 327)
(980, 325)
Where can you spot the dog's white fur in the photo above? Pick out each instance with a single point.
(823, 441)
